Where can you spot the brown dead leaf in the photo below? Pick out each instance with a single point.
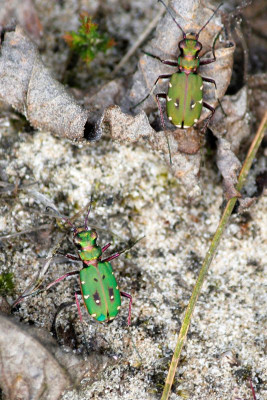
(235, 125)
(188, 140)
(108, 95)
(184, 144)
(191, 16)
(28, 370)
(34, 367)
(25, 14)
(257, 97)
(231, 129)
(29, 87)
(229, 166)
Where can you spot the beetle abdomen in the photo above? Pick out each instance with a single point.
(184, 99)
(100, 291)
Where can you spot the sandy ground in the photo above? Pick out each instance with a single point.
(136, 196)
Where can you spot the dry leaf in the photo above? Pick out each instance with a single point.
(184, 144)
(25, 14)
(29, 87)
(191, 15)
(229, 166)
(231, 130)
(33, 367)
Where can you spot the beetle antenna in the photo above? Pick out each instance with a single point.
(167, 8)
(60, 216)
(89, 210)
(131, 245)
(204, 26)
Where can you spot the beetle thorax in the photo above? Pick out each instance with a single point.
(188, 60)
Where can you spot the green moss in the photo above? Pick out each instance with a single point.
(6, 283)
(87, 41)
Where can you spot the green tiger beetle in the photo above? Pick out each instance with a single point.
(184, 100)
(99, 288)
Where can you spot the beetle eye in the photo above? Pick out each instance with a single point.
(76, 239)
(93, 235)
(182, 44)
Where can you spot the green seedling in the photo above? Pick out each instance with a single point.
(87, 41)
(6, 284)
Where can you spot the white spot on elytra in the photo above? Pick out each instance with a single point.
(87, 296)
(117, 287)
(170, 85)
(93, 315)
(195, 120)
(176, 105)
(193, 105)
(111, 297)
(201, 87)
(118, 307)
(178, 126)
(97, 301)
(82, 282)
(186, 126)
(168, 98)
(170, 118)
(200, 101)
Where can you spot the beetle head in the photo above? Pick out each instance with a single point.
(190, 44)
(84, 237)
(195, 36)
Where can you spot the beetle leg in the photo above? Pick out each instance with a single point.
(213, 81)
(78, 307)
(208, 61)
(130, 305)
(167, 76)
(111, 257)
(209, 80)
(211, 60)
(106, 247)
(206, 105)
(60, 279)
(60, 308)
(121, 252)
(167, 62)
(81, 319)
(72, 257)
(19, 300)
